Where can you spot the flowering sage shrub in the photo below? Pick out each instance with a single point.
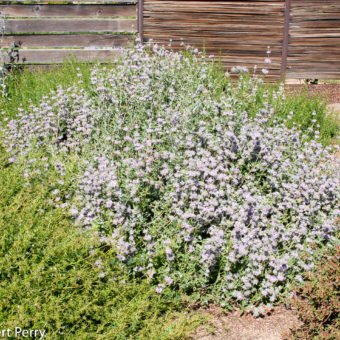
(63, 121)
(190, 190)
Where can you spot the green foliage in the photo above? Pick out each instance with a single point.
(49, 278)
(317, 300)
(30, 85)
(50, 275)
(303, 108)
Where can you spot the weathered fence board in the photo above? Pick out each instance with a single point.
(18, 26)
(236, 32)
(67, 2)
(314, 43)
(45, 56)
(70, 40)
(49, 31)
(64, 11)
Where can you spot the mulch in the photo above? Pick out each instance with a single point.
(331, 92)
(234, 326)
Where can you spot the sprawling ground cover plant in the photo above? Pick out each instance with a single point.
(51, 273)
(185, 177)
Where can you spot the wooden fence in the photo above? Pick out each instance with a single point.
(237, 32)
(303, 35)
(50, 31)
(314, 39)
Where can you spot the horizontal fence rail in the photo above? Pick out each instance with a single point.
(50, 31)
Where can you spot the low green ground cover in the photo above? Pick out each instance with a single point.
(50, 275)
(58, 276)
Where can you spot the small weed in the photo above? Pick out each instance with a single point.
(317, 300)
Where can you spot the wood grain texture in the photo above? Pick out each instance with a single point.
(55, 11)
(69, 25)
(236, 32)
(45, 56)
(48, 32)
(314, 44)
(69, 41)
(68, 2)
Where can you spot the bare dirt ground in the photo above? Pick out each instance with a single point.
(335, 107)
(275, 326)
(331, 92)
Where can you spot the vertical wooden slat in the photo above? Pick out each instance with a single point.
(140, 20)
(285, 39)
